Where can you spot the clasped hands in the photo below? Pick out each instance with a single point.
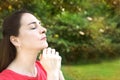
(51, 61)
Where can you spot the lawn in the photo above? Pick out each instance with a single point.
(108, 70)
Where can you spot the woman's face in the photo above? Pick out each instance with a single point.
(31, 33)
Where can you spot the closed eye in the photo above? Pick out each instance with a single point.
(32, 27)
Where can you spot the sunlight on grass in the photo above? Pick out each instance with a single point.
(103, 71)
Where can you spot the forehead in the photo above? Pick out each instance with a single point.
(28, 18)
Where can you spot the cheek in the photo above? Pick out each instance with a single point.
(28, 38)
(33, 41)
(32, 38)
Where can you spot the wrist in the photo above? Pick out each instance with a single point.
(53, 75)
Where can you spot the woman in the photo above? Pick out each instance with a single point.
(23, 39)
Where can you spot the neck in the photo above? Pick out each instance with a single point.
(24, 62)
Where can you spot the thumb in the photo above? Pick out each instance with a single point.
(43, 54)
(40, 57)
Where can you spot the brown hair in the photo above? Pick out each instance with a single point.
(10, 27)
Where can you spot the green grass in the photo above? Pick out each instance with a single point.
(109, 70)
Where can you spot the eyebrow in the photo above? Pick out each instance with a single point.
(33, 23)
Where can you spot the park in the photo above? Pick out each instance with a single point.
(86, 33)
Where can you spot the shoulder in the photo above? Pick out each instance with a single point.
(5, 75)
(39, 66)
(41, 71)
(11, 75)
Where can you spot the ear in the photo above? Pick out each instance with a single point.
(15, 41)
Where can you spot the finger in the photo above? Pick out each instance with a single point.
(57, 53)
(49, 51)
(44, 52)
(40, 57)
(59, 57)
(53, 52)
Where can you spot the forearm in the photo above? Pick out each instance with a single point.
(53, 75)
(56, 75)
(61, 77)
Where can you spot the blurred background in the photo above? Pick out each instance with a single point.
(85, 32)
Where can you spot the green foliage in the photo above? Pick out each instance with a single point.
(82, 31)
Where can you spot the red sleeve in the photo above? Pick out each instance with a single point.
(11, 75)
(42, 75)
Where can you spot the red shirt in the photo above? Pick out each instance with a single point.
(11, 75)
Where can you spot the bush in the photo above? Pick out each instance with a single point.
(82, 31)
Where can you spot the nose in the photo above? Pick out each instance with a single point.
(43, 30)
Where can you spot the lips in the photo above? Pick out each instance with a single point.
(43, 38)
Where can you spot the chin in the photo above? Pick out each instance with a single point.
(45, 45)
(42, 46)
